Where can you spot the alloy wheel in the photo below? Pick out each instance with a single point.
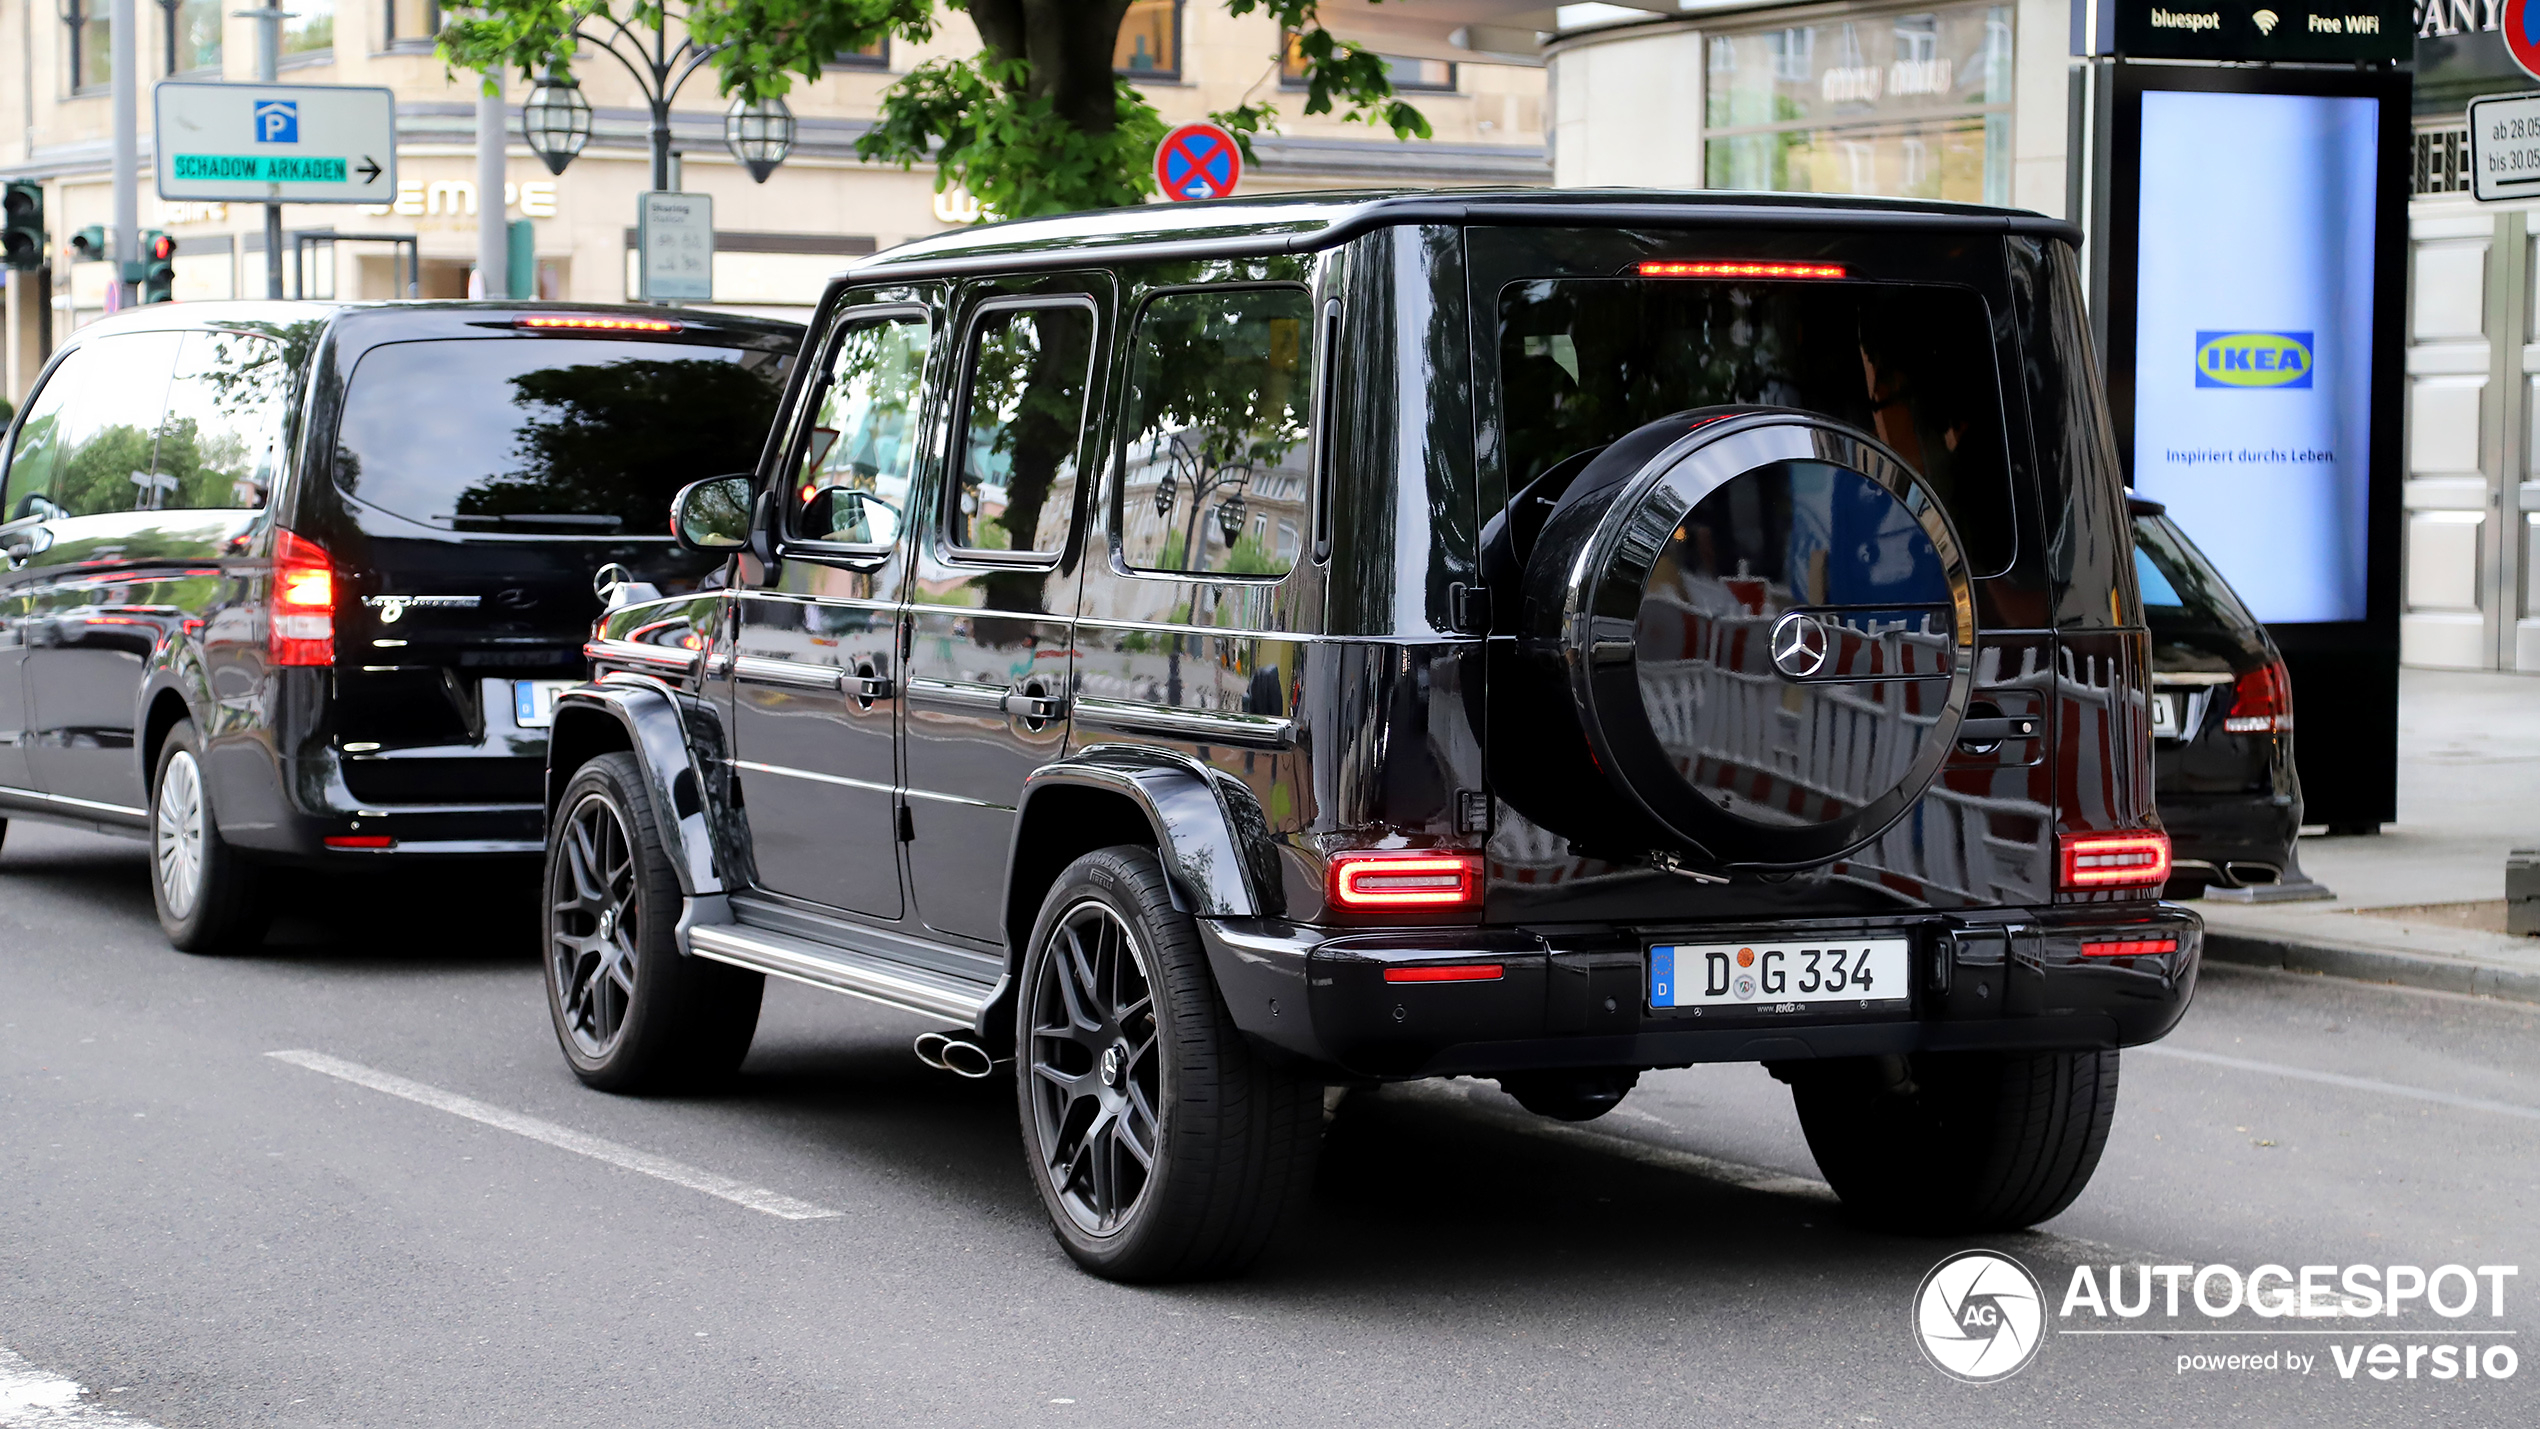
(176, 834)
(593, 926)
(1096, 1069)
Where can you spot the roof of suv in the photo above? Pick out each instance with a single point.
(269, 314)
(1302, 223)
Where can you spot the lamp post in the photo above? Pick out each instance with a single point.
(556, 120)
(759, 134)
(1184, 459)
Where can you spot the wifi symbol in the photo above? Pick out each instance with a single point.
(2266, 21)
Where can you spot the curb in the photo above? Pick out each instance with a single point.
(2363, 963)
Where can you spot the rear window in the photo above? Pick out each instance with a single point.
(550, 435)
(2181, 587)
(1585, 361)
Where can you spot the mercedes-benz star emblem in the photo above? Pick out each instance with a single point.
(1800, 645)
(1979, 1316)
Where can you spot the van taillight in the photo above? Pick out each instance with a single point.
(2261, 701)
(2134, 859)
(301, 622)
(1406, 879)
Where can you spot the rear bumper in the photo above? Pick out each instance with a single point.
(2221, 829)
(1578, 997)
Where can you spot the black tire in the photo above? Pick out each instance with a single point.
(1948, 1143)
(210, 899)
(632, 1013)
(1228, 1138)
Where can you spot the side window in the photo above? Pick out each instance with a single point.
(1213, 448)
(852, 484)
(1024, 400)
(222, 443)
(109, 438)
(38, 452)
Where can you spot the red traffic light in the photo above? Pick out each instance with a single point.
(162, 248)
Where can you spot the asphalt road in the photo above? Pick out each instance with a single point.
(196, 1232)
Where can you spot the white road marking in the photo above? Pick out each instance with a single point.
(660, 1168)
(32, 1399)
(2340, 1079)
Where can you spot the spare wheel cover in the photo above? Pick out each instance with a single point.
(1771, 637)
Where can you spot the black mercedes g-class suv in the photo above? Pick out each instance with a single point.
(296, 584)
(1208, 654)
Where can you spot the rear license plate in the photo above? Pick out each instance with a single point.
(2165, 723)
(534, 701)
(1781, 977)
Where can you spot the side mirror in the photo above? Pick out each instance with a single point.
(712, 515)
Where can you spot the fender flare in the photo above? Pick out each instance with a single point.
(1209, 830)
(657, 733)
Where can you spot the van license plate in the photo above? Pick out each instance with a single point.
(534, 701)
(1770, 977)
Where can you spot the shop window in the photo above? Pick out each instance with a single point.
(1150, 44)
(1407, 72)
(410, 24)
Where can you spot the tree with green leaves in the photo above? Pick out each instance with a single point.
(1036, 122)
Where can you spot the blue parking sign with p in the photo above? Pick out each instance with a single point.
(277, 121)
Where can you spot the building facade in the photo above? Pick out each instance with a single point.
(776, 242)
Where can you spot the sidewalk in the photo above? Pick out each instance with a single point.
(2469, 790)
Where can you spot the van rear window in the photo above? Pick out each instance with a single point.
(1583, 361)
(554, 436)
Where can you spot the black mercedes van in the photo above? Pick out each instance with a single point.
(1201, 655)
(297, 583)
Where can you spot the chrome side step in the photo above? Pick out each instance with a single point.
(839, 969)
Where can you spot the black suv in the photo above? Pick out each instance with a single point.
(299, 582)
(1212, 653)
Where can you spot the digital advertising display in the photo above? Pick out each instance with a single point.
(2253, 352)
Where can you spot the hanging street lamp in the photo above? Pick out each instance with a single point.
(760, 133)
(556, 119)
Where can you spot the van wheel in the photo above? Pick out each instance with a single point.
(631, 1011)
(1164, 1147)
(1942, 1143)
(209, 897)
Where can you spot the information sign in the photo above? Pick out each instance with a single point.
(275, 143)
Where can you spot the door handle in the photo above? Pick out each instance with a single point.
(1035, 707)
(1989, 731)
(865, 687)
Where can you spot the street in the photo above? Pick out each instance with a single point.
(204, 1234)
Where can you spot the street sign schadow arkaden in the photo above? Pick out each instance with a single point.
(2504, 147)
(275, 143)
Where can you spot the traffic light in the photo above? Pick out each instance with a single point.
(89, 244)
(158, 267)
(23, 236)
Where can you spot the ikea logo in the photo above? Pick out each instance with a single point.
(2253, 359)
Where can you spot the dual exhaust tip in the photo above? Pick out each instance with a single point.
(954, 1052)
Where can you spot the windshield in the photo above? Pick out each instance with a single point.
(553, 435)
(1585, 361)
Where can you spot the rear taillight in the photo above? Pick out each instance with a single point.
(1406, 879)
(2261, 701)
(2134, 859)
(300, 626)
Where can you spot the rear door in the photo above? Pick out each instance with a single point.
(815, 677)
(992, 606)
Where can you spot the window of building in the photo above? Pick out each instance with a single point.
(311, 30)
(92, 37)
(410, 24)
(873, 56)
(1213, 455)
(1408, 72)
(1028, 372)
(1150, 44)
(193, 35)
(1915, 104)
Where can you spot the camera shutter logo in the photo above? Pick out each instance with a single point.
(1979, 1316)
(277, 121)
(1800, 645)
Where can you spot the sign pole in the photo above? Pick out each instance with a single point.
(268, 18)
(493, 242)
(126, 58)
